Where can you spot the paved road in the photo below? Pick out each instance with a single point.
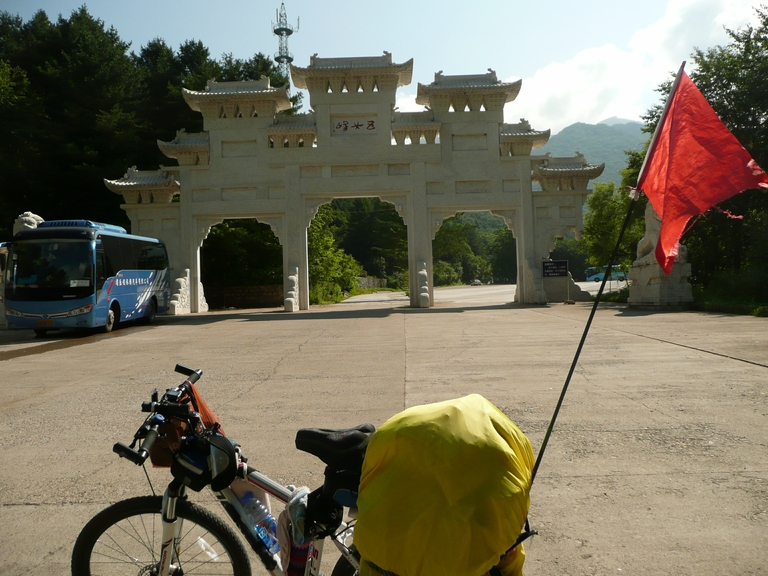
(658, 463)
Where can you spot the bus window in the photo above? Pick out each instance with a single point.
(50, 270)
(152, 257)
(118, 254)
(101, 270)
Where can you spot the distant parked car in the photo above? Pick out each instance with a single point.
(597, 275)
(475, 282)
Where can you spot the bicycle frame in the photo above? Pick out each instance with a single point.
(245, 479)
(172, 525)
(172, 530)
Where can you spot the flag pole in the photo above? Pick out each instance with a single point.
(663, 117)
(607, 275)
(635, 194)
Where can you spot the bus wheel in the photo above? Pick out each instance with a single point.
(40, 332)
(112, 319)
(151, 312)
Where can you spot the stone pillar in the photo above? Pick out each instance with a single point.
(197, 302)
(295, 263)
(529, 281)
(649, 286)
(417, 219)
(297, 219)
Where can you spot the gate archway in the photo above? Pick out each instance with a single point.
(457, 155)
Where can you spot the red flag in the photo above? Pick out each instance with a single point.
(693, 163)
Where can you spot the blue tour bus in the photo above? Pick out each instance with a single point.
(83, 274)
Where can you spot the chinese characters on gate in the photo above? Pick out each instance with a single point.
(353, 125)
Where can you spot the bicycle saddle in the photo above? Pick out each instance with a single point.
(336, 448)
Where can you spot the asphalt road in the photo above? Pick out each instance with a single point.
(658, 463)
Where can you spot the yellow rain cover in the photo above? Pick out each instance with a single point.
(444, 491)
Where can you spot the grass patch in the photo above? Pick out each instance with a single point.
(615, 296)
(729, 306)
(361, 291)
(744, 293)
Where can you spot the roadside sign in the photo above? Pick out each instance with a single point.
(554, 268)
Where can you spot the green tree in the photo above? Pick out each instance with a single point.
(79, 125)
(331, 270)
(375, 235)
(77, 107)
(241, 253)
(733, 79)
(502, 252)
(449, 248)
(445, 274)
(606, 211)
(570, 249)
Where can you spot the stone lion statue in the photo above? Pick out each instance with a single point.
(26, 221)
(646, 248)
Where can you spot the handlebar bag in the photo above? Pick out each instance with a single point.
(444, 491)
(206, 460)
(167, 444)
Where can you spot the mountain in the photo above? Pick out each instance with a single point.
(614, 120)
(603, 142)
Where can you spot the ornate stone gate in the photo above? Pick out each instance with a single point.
(253, 161)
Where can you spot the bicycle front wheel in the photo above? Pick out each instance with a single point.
(125, 539)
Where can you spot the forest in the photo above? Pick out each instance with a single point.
(79, 104)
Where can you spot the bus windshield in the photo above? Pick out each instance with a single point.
(49, 269)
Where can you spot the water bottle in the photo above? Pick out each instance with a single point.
(262, 521)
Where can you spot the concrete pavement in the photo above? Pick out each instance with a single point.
(658, 463)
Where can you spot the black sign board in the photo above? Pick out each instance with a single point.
(554, 268)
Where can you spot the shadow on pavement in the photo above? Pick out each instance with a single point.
(315, 314)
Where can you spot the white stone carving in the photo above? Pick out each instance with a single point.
(423, 285)
(312, 206)
(202, 305)
(291, 303)
(26, 221)
(649, 286)
(179, 303)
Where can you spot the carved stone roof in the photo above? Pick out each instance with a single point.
(522, 132)
(567, 167)
(142, 180)
(352, 67)
(407, 120)
(145, 186)
(185, 143)
(577, 168)
(187, 149)
(468, 85)
(246, 91)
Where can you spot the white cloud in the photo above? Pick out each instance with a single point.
(407, 103)
(606, 81)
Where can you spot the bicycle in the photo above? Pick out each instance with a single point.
(170, 536)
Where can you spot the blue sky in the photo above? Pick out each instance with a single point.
(579, 61)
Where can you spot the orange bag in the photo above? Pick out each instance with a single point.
(170, 433)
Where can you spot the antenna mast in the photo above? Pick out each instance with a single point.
(282, 29)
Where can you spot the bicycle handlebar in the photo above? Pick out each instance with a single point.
(139, 456)
(164, 408)
(191, 374)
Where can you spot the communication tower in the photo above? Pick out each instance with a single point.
(282, 29)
